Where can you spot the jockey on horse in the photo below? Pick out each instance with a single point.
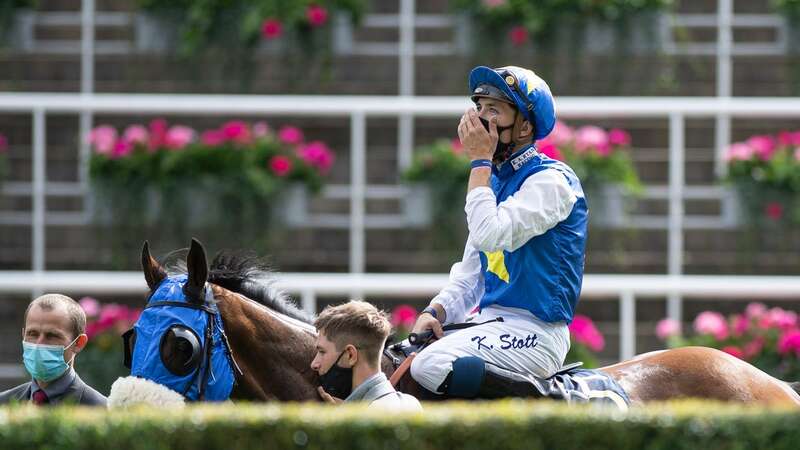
(523, 263)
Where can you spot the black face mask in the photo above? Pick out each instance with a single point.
(337, 381)
(503, 150)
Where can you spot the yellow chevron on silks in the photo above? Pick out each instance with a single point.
(496, 264)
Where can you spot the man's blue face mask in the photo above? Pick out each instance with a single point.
(45, 362)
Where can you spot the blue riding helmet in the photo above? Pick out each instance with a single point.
(195, 329)
(529, 93)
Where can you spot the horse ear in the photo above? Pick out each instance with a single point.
(198, 271)
(154, 274)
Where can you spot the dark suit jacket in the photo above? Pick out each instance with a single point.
(78, 393)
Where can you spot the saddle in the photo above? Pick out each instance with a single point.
(572, 383)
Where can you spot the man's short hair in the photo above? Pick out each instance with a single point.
(358, 323)
(48, 302)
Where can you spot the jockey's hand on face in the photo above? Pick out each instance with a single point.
(477, 142)
(426, 322)
(328, 398)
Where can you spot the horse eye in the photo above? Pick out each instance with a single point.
(181, 352)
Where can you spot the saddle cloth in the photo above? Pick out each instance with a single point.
(571, 384)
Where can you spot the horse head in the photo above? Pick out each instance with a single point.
(202, 338)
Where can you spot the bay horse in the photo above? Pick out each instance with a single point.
(272, 344)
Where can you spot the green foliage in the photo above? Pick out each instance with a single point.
(595, 170)
(237, 23)
(528, 425)
(790, 8)
(541, 16)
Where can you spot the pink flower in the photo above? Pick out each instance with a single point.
(260, 129)
(103, 139)
(619, 137)
(280, 165)
(158, 134)
(271, 28)
(178, 137)
(713, 323)
(290, 135)
(739, 152)
(404, 316)
(796, 138)
(755, 310)
(753, 347)
(3, 144)
(778, 318)
(317, 154)
(237, 131)
(763, 146)
(666, 328)
(122, 148)
(456, 146)
(785, 138)
(789, 342)
(734, 351)
(316, 15)
(136, 134)
(551, 151)
(212, 138)
(491, 4)
(518, 35)
(90, 306)
(740, 324)
(583, 330)
(592, 138)
(773, 210)
(561, 135)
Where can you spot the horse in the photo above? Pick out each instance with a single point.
(270, 344)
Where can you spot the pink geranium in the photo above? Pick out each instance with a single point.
(90, 306)
(561, 135)
(212, 138)
(739, 152)
(583, 330)
(594, 138)
(3, 144)
(667, 328)
(404, 316)
(778, 318)
(136, 134)
(491, 4)
(518, 35)
(753, 347)
(237, 131)
(789, 342)
(260, 129)
(290, 135)
(317, 154)
(178, 137)
(103, 138)
(316, 15)
(740, 324)
(456, 146)
(755, 310)
(271, 28)
(122, 148)
(158, 134)
(551, 151)
(734, 351)
(763, 146)
(711, 323)
(280, 165)
(773, 210)
(619, 137)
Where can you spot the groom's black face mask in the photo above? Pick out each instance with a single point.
(337, 381)
(503, 150)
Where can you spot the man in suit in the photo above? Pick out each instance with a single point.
(54, 333)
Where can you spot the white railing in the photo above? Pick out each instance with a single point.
(309, 286)
(358, 109)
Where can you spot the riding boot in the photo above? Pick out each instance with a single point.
(496, 385)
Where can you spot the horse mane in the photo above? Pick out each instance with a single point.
(246, 274)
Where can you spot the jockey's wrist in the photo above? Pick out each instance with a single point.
(476, 163)
(432, 311)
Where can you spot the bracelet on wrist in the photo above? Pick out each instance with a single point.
(432, 311)
(480, 163)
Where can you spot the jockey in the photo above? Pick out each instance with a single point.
(523, 263)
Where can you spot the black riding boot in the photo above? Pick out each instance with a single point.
(498, 386)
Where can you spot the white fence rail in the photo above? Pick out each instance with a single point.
(309, 286)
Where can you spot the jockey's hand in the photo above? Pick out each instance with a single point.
(328, 398)
(477, 142)
(427, 322)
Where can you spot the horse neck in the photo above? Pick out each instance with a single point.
(273, 351)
